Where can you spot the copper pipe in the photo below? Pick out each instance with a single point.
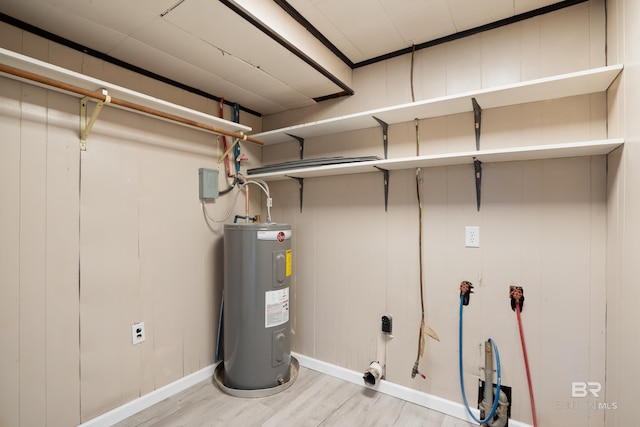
(122, 103)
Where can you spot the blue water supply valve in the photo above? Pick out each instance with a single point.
(466, 289)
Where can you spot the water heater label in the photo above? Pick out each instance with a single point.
(276, 310)
(278, 235)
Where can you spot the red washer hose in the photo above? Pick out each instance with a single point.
(526, 364)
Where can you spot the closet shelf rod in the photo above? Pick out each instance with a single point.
(119, 102)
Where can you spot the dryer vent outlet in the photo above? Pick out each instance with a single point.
(373, 374)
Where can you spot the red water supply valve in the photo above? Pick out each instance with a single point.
(516, 293)
(466, 289)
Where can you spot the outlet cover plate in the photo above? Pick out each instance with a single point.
(137, 333)
(472, 237)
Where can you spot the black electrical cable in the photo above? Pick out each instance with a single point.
(230, 187)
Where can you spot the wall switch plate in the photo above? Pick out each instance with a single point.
(472, 237)
(137, 333)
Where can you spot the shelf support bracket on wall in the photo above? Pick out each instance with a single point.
(301, 185)
(477, 166)
(385, 135)
(300, 142)
(385, 174)
(477, 118)
(86, 126)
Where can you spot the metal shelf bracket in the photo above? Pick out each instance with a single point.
(301, 185)
(477, 166)
(385, 134)
(477, 118)
(300, 142)
(385, 173)
(86, 126)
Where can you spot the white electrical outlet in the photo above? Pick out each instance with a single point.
(472, 237)
(137, 333)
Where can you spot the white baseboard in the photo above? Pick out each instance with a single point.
(426, 400)
(143, 402)
(401, 392)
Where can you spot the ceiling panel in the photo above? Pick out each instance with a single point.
(384, 26)
(328, 28)
(371, 32)
(170, 66)
(418, 21)
(161, 62)
(522, 6)
(296, 78)
(83, 31)
(171, 39)
(468, 14)
(110, 13)
(259, 65)
(32, 12)
(207, 45)
(214, 23)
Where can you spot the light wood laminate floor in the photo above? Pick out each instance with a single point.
(314, 399)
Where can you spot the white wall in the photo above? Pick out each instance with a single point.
(543, 224)
(126, 212)
(534, 48)
(623, 336)
(39, 361)
(91, 242)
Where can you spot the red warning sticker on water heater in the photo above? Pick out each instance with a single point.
(280, 237)
(276, 307)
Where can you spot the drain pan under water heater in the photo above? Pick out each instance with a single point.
(257, 332)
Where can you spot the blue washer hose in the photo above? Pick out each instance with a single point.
(464, 396)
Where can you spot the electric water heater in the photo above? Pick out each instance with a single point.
(257, 303)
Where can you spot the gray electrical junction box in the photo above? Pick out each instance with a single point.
(208, 183)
